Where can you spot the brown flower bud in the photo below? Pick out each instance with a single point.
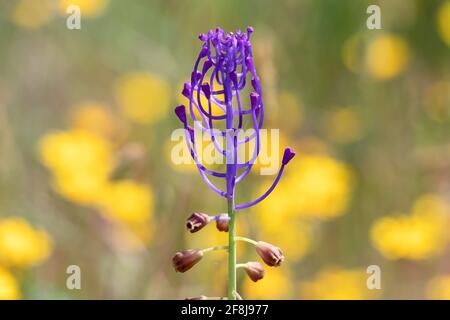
(272, 255)
(222, 223)
(197, 221)
(186, 259)
(254, 270)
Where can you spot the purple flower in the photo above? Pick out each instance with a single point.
(220, 76)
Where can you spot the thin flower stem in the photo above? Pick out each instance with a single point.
(215, 248)
(241, 265)
(232, 250)
(246, 240)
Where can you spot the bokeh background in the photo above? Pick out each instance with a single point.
(86, 177)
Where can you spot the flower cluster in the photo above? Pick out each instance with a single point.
(83, 159)
(223, 73)
(416, 236)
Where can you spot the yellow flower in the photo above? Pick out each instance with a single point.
(9, 288)
(443, 22)
(21, 245)
(315, 186)
(337, 284)
(387, 56)
(82, 187)
(128, 202)
(144, 98)
(417, 236)
(88, 8)
(343, 126)
(81, 162)
(94, 117)
(276, 285)
(438, 288)
(75, 150)
(32, 14)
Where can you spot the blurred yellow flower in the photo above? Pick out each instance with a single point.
(70, 151)
(343, 126)
(21, 245)
(9, 288)
(438, 288)
(32, 14)
(315, 186)
(81, 162)
(144, 98)
(275, 285)
(88, 8)
(443, 22)
(337, 284)
(82, 187)
(387, 56)
(420, 235)
(128, 202)
(95, 117)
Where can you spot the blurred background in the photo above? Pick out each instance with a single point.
(86, 176)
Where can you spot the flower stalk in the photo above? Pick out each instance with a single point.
(223, 69)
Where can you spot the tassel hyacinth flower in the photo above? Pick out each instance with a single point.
(224, 79)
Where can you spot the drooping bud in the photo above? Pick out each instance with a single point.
(222, 222)
(206, 90)
(186, 90)
(184, 260)
(289, 153)
(197, 221)
(180, 111)
(254, 270)
(271, 255)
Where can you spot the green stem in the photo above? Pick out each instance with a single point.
(231, 250)
(246, 240)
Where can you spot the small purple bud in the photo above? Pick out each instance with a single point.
(249, 30)
(195, 77)
(180, 111)
(254, 100)
(289, 153)
(271, 255)
(186, 90)
(202, 37)
(206, 65)
(255, 270)
(206, 90)
(197, 221)
(184, 260)
(204, 51)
